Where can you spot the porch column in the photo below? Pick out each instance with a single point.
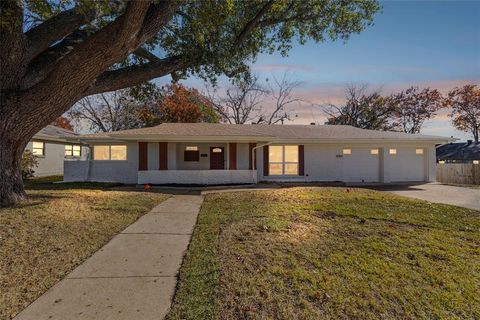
(252, 165)
(163, 156)
(142, 156)
(232, 156)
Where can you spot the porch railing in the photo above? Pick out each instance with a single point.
(195, 177)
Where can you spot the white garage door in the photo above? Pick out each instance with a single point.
(361, 166)
(407, 165)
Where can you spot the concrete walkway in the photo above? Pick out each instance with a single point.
(131, 277)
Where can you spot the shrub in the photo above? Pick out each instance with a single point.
(28, 163)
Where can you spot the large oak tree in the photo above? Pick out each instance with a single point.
(54, 53)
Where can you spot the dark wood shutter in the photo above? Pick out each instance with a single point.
(250, 152)
(232, 156)
(142, 156)
(301, 160)
(265, 161)
(163, 156)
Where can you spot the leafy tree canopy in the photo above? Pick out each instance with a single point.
(212, 38)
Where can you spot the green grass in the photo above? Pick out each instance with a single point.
(45, 237)
(310, 253)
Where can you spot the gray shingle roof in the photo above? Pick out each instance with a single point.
(459, 151)
(258, 131)
(54, 133)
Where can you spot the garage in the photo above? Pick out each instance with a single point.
(406, 164)
(361, 165)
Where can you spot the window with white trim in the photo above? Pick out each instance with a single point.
(72, 150)
(283, 160)
(38, 148)
(110, 152)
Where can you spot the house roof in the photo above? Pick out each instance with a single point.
(53, 133)
(459, 151)
(257, 132)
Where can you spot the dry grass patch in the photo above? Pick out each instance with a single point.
(47, 236)
(310, 253)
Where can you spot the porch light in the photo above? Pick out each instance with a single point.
(347, 151)
(476, 161)
(441, 161)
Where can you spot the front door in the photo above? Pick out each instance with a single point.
(217, 158)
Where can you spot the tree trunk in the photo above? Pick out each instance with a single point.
(11, 183)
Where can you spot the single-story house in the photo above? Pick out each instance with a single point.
(202, 153)
(51, 148)
(461, 152)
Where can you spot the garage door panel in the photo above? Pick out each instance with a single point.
(361, 166)
(407, 166)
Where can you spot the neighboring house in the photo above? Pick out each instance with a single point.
(461, 152)
(51, 148)
(201, 153)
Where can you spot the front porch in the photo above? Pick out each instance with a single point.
(202, 163)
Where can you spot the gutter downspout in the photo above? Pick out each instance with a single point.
(253, 160)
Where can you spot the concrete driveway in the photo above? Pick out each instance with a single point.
(440, 193)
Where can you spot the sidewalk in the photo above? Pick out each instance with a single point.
(131, 277)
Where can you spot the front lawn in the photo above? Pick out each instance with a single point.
(58, 227)
(310, 253)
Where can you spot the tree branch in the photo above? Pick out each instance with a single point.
(12, 62)
(157, 16)
(252, 23)
(133, 75)
(145, 54)
(56, 28)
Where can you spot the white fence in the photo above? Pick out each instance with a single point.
(458, 173)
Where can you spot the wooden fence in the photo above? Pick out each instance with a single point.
(458, 173)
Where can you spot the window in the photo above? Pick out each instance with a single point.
(191, 153)
(216, 150)
(283, 160)
(38, 148)
(73, 150)
(476, 161)
(118, 152)
(393, 151)
(418, 151)
(374, 151)
(347, 151)
(110, 152)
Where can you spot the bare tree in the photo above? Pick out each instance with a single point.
(282, 94)
(241, 102)
(111, 111)
(362, 109)
(415, 106)
(248, 101)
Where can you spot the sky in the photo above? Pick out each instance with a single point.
(423, 43)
